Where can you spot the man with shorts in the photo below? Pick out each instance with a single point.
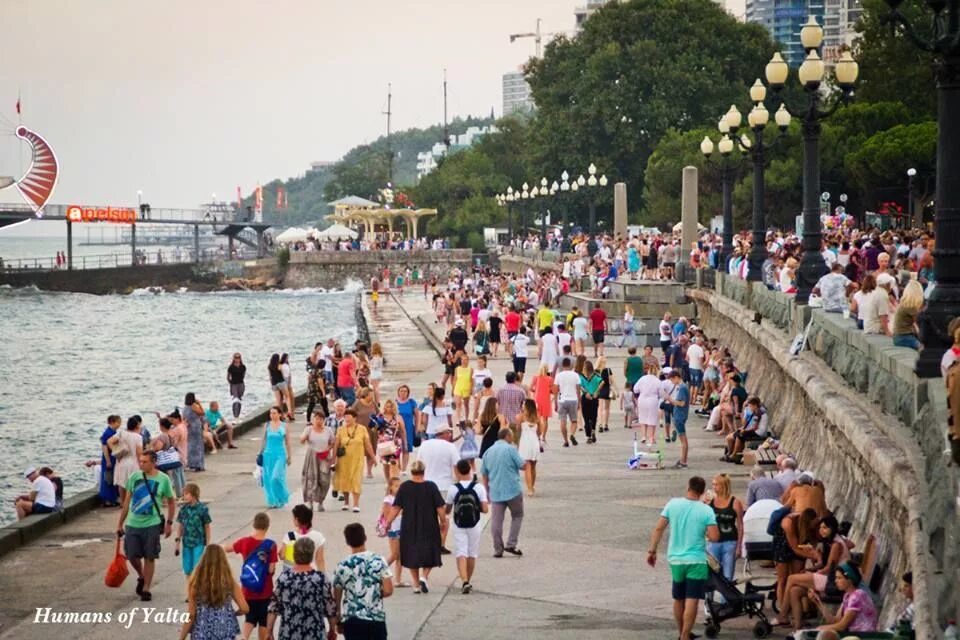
(258, 544)
(695, 356)
(598, 323)
(690, 521)
(566, 387)
(466, 540)
(520, 343)
(141, 519)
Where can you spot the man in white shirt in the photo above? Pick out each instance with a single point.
(520, 343)
(666, 333)
(439, 457)
(695, 357)
(466, 540)
(549, 350)
(566, 385)
(875, 307)
(564, 338)
(42, 498)
(326, 352)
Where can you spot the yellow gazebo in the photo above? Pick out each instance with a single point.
(369, 214)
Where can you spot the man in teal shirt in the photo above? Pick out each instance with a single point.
(501, 469)
(141, 520)
(691, 523)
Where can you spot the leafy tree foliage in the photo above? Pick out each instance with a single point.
(638, 69)
(881, 163)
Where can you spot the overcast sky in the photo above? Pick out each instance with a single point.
(184, 98)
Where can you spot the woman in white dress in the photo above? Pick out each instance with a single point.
(531, 432)
(648, 392)
(376, 370)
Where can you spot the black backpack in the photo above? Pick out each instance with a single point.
(466, 506)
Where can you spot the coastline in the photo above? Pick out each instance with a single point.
(32, 528)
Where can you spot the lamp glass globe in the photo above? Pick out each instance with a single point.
(725, 146)
(776, 71)
(811, 34)
(603, 180)
(706, 146)
(758, 92)
(592, 181)
(782, 116)
(811, 71)
(846, 70)
(734, 117)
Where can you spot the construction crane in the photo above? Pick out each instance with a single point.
(537, 37)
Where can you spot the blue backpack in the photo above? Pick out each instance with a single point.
(256, 567)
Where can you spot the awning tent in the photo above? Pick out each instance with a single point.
(335, 232)
(293, 234)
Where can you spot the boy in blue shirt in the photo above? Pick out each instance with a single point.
(680, 400)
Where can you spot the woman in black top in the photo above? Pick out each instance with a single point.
(495, 322)
(605, 394)
(236, 373)
(489, 424)
(277, 382)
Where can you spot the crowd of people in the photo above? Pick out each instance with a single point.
(378, 242)
(468, 446)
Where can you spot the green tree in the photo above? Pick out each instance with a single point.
(891, 67)
(879, 166)
(638, 69)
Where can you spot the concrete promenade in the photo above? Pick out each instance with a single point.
(584, 537)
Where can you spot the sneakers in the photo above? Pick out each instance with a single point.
(680, 465)
(573, 441)
(424, 588)
(513, 551)
(466, 588)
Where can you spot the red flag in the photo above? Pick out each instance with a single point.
(18, 105)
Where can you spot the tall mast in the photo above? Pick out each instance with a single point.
(388, 113)
(446, 130)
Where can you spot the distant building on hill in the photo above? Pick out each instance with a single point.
(321, 164)
(516, 94)
(427, 160)
(581, 13)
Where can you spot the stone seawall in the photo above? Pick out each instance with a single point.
(112, 280)
(877, 475)
(332, 269)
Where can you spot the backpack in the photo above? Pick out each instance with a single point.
(466, 506)
(255, 569)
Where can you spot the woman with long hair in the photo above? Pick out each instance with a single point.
(834, 551)
(376, 370)
(462, 387)
(605, 394)
(288, 378)
(277, 381)
(481, 338)
(905, 317)
(276, 458)
(489, 424)
(211, 592)
(542, 389)
(793, 546)
(195, 417)
(236, 374)
(531, 432)
(729, 513)
(391, 440)
(629, 333)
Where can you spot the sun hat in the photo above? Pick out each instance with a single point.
(29, 472)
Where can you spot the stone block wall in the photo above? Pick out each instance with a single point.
(335, 269)
(853, 411)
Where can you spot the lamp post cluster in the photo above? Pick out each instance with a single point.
(811, 75)
(527, 194)
(944, 302)
(729, 125)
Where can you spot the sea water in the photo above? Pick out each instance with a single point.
(68, 360)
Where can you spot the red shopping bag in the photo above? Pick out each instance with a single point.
(117, 572)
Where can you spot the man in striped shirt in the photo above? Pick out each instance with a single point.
(510, 400)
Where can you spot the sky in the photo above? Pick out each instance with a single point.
(183, 99)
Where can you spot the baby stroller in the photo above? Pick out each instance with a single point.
(735, 605)
(758, 546)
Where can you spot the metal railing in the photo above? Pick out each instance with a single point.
(112, 260)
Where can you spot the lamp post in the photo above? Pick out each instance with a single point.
(725, 147)
(911, 174)
(811, 74)
(524, 195)
(510, 197)
(944, 301)
(592, 182)
(564, 188)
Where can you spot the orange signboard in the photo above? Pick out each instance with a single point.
(121, 215)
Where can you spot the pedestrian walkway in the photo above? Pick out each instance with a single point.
(584, 536)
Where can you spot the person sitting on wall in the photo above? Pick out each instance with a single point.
(42, 499)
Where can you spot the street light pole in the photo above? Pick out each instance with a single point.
(911, 173)
(811, 72)
(944, 301)
(725, 147)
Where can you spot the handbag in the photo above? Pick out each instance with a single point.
(117, 570)
(386, 448)
(117, 448)
(263, 445)
(168, 459)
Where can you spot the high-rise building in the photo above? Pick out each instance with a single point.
(516, 93)
(783, 19)
(760, 12)
(583, 12)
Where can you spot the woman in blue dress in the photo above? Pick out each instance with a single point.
(410, 413)
(276, 458)
(109, 495)
(633, 261)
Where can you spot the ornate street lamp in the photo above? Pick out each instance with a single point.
(510, 197)
(725, 147)
(811, 73)
(944, 301)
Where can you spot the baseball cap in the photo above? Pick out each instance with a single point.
(667, 371)
(885, 279)
(443, 429)
(29, 472)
